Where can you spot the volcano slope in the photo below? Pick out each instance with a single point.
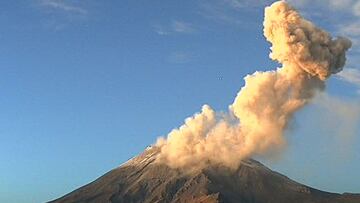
(143, 180)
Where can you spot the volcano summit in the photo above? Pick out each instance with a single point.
(142, 180)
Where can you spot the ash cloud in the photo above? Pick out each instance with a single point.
(263, 108)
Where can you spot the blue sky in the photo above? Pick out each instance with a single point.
(86, 85)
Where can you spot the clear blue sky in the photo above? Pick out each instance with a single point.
(86, 85)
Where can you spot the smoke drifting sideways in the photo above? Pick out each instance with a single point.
(255, 122)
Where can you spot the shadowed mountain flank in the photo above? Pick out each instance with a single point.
(142, 180)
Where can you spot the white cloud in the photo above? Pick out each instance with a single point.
(160, 30)
(298, 3)
(63, 6)
(340, 4)
(239, 4)
(350, 75)
(351, 29)
(222, 11)
(175, 26)
(218, 13)
(332, 4)
(229, 11)
(180, 57)
(235, 3)
(356, 8)
(61, 14)
(350, 6)
(182, 27)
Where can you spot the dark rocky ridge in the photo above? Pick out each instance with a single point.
(140, 180)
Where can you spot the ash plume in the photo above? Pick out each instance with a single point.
(263, 108)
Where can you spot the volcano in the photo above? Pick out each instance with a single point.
(143, 180)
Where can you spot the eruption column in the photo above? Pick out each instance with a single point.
(256, 121)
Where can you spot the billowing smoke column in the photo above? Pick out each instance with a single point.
(261, 111)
